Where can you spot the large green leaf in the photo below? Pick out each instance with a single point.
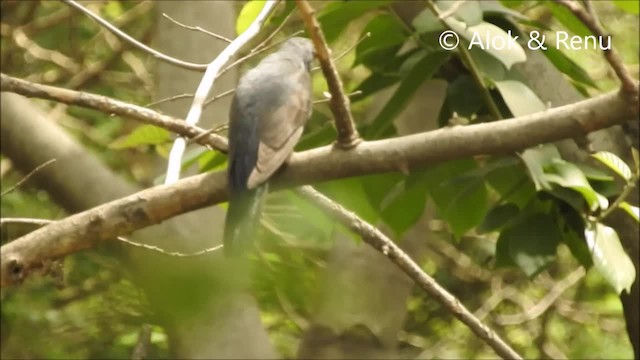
(569, 176)
(336, 15)
(248, 14)
(423, 70)
(568, 19)
(499, 217)
(633, 211)
(609, 257)
(468, 12)
(614, 163)
(519, 98)
(461, 200)
(352, 195)
(405, 204)
(142, 135)
(512, 183)
(563, 63)
(531, 244)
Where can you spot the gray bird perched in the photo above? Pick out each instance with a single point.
(271, 105)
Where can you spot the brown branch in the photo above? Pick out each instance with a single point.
(374, 237)
(629, 85)
(151, 206)
(348, 136)
(110, 106)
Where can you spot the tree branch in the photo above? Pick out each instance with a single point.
(374, 237)
(154, 205)
(110, 106)
(348, 136)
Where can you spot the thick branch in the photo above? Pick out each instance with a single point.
(348, 136)
(374, 237)
(159, 203)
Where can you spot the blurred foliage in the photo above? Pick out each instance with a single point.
(496, 213)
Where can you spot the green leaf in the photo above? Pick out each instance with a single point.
(629, 6)
(351, 194)
(422, 71)
(405, 205)
(387, 35)
(427, 22)
(248, 14)
(536, 159)
(461, 200)
(468, 12)
(335, 16)
(520, 99)
(563, 63)
(498, 217)
(486, 32)
(142, 135)
(464, 97)
(634, 211)
(569, 176)
(614, 163)
(531, 244)
(511, 182)
(609, 257)
(566, 18)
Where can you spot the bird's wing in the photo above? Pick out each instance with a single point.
(281, 129)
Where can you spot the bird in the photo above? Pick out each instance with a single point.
(270, 107)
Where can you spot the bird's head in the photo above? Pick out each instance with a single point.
(302, 47)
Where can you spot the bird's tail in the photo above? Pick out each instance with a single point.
(243, 216)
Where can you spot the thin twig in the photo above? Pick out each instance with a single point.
(348, 50)
(196, 28)
(206, 85)
(374, 237)
(124, 36)
(348, 136)
(168, 99)
(328, 97)
(24, 179)
(611, 55)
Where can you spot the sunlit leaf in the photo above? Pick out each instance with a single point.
(634, 211)
(248, 14)
(609, 257)
(520, 99)
(142, 135)
(614, 163)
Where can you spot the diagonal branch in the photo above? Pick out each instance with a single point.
(348, 136)
(628, 83)
(374, 237)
